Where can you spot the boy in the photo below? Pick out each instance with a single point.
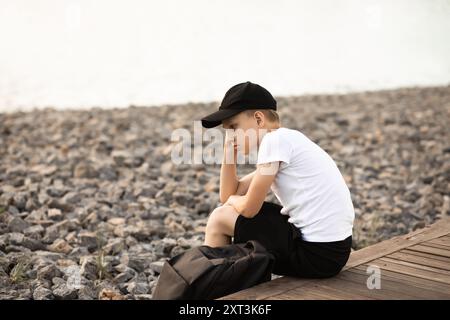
(310, 235)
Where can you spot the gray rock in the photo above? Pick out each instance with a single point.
(143, 296)
(176, 251)
(35, 231)
(61, 205)
(125, 276)
(138, 287)
(88, 240)
(61, 246)
(63, 292)
(56, 192)
(16, 224)
(49, 272)
(86, 293)
(18, 239)
(20, 201)
(114, 246)
(89, 268)
(84, 170)
(107, 173)
(54, 214)
(72, 198)
(42, 293)
(157, 266)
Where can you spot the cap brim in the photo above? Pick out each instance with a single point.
(216, 118)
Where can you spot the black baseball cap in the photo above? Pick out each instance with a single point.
(240, 97)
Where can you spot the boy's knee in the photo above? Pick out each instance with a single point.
(219, 219)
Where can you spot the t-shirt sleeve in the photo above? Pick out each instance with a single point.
(273, 148)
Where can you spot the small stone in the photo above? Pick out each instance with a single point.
(138, 287)
(42, 293)
(157, 266)
(143, 297)
(63, 292)
(49, 272)
(56, 192)
(84, 170)
(114, 246)
(203, 207)
(31, 205)
(60, 204)
(88, 267)
(176, 251)
(61, 246)
(72, 198)
(116, 221)
(54, 214)
(419, 225)
(125, 276)
(89, 240)
(20, 201)
(34, 231)
(107, 173)
(17, 224)
(110, 294)
(16, 238)
(86, 293)
(44, 170)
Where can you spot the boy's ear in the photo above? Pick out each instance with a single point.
(258, 117)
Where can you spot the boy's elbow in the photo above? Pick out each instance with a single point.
(248, 213)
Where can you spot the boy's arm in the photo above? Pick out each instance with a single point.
(228, 174)
(244, 183)
(230, 184)
(248, 205)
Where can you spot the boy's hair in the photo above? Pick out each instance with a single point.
(270, 114)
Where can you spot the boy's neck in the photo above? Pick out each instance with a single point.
(273, 127)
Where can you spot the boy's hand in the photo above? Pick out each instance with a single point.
(230, 147)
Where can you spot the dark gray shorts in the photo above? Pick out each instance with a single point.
(293, 256)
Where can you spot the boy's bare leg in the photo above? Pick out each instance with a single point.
(220, 226)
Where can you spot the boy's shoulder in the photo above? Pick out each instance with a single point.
(293, 137)
(286, 133)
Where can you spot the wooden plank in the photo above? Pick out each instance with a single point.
(434, 251)
(355, 284)
(416, 265)
(388, 289)
(426, 255)
(321, 292)
(310, 296)
(268, 289)
(443, 241)
(435, 245)
(426, 261)
(413, 271)
(402, 288)
(436, 230)
(440, 288)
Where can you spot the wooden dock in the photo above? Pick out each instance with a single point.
(412, 266)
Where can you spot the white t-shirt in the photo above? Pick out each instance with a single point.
(308, 185)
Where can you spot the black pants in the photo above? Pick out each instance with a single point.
(293, 256)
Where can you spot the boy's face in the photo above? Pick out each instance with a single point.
(247, 137)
